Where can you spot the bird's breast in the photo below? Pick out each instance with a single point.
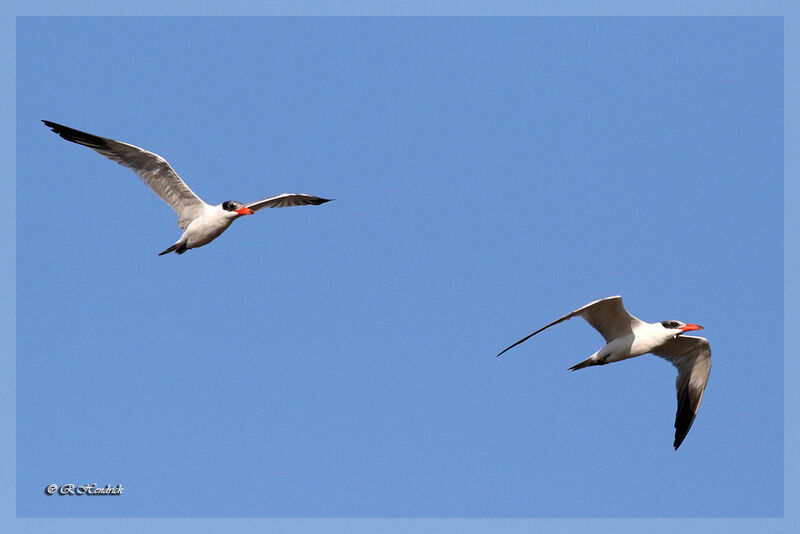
(620, 348)
(205, 229)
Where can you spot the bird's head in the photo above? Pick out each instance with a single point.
(677, 328)
(236, 208)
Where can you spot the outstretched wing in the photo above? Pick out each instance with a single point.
(154, 170)
(692, 357)
(608, 316)
(286, 200)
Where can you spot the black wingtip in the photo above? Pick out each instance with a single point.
(321, 200)
(60, 129)
(64, 131)
(504, 350)
(523, 340)
(77, 136)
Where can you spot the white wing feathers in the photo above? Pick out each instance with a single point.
(692, 357)
(154, 170)
(286, 200)
(608, 316)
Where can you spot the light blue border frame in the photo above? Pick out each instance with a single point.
(785, 9)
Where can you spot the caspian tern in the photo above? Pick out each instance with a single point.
(201, 223)
(626, 337)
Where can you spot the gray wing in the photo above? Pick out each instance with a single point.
(154, 170)
(608, 316)
(692, 357)
(286, 200)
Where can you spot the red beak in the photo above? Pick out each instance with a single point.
(688, 327)
(244, 211)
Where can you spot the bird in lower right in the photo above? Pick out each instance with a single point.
(627, 336)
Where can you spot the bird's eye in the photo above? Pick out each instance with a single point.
(670, 324)
(227, 206)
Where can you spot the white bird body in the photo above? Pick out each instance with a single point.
(618, 349)
(201, 222)
(643, 339)
(627, 337)
(207, 227)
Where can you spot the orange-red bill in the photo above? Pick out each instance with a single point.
(244, 211)
(688, 327)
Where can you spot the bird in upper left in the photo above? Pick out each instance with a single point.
(201, 222)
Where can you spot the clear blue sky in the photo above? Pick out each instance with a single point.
(338, 361)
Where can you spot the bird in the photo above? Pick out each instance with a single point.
(627, 336)
(201, 222)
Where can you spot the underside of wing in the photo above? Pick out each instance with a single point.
(154, 170)
(287, 200)
(609, 317)
(692, 357)
(609, 308)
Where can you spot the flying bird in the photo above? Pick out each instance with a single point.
(626, 337)
(201, 223)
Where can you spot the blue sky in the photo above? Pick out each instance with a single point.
(489, 175)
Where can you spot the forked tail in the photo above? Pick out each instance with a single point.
(178, 248)
(588, 362)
